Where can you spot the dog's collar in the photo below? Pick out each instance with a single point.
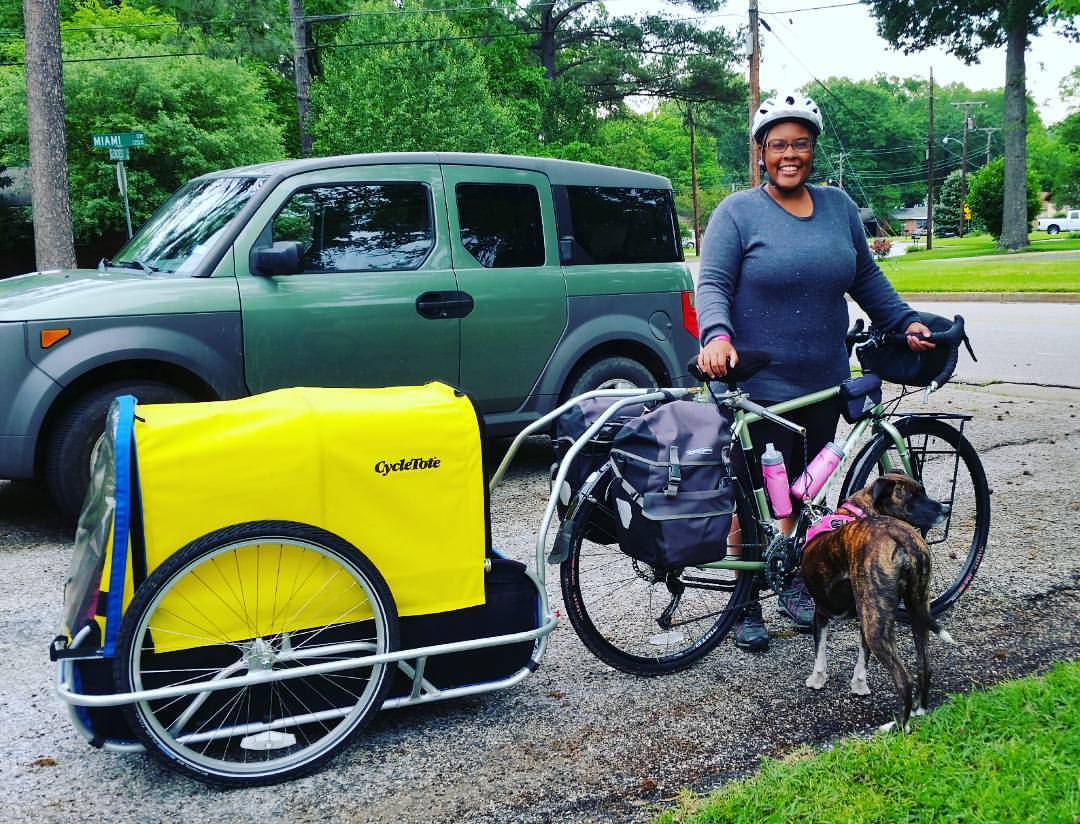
(848, 508)
(846, 513)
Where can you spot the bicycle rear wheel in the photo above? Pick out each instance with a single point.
(950, 470)
(640, 619)
(262, 598)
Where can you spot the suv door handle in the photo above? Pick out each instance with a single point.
(440, 305)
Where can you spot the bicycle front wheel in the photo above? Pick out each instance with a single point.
(948, 467)
(267, 599)
(641, 619)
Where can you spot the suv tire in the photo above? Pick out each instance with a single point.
(67, 452)
(611, 373)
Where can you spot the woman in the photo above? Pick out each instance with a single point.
(776, 264)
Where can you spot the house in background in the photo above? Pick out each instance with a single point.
(910, 220)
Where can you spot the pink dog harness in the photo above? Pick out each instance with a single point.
(845, 514)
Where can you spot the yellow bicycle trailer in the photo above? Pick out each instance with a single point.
(253, 579)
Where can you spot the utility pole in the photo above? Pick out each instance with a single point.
(54, 244)
(840, 168)
(755, 88)
(302, 72)
(989, 131)
(969, 123)
(693, 177)
(930, 171)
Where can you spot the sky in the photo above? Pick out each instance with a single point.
(811, 40)
(843, 42)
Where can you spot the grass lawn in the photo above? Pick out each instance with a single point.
(1010, 753)
(938, 270)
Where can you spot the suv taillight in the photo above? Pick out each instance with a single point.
(689, 314)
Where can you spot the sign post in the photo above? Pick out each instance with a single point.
(119, 145)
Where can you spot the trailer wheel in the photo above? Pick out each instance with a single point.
(265, 601)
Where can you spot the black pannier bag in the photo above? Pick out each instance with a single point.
(673, 495)
(570, 426)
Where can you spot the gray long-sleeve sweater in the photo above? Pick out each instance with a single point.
(775, 282)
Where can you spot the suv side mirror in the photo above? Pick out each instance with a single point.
(279, 258)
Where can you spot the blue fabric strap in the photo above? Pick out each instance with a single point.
(124, 446)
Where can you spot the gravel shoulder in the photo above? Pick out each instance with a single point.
(577, 741)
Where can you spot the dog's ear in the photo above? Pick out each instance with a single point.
(881, 490)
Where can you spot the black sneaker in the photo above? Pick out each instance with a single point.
(750, 632)
(795, 602)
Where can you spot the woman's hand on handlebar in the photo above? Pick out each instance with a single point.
(717, 357)
(916, 334)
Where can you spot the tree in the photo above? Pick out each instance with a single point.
(198, 114)
(964, 29)
(1065, 186)
(950, 203)
(612, 58)
(415, 85)
(986, 195)
(53, 242)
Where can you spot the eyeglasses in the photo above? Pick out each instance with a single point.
(802, 145)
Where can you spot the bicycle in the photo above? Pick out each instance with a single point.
(649, 620)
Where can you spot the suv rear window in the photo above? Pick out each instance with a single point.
(500, 224)
(358, 227)
(621, 225)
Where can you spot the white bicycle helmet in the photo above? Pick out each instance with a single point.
(790, 106)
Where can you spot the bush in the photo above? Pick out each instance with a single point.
(881, 246)
(986, 195)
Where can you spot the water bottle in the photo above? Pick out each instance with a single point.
(776, 481)
(810, 482)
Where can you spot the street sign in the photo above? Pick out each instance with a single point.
(123, 153)
(118, 140)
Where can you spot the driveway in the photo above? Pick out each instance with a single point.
(577, 741)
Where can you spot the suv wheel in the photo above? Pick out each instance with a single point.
(67, 452)
(611, 373)
(1053, 229)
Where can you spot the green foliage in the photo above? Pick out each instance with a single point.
(611, 57)
(986, 196)
(199, 114)
(1065, 184)
(947, 211)
(963, 29)
(424, 89)
(1010, 753)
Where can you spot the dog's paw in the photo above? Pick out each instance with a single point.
(816, 680)
(919, 711)
(948, 639)
(859, 687)
(889, 727)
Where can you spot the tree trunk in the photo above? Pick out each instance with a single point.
(301, 73)
(546, 41)
(54, 244)
(1014, 218)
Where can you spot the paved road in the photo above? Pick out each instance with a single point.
(1025, 343)
(1020, 342)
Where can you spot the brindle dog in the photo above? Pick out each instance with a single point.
(864, 568)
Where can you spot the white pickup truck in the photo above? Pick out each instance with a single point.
(1053, 225)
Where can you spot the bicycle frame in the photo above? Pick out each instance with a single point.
(741, 431)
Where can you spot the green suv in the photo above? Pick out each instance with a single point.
(522, 280)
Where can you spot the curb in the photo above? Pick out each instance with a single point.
(994, 297)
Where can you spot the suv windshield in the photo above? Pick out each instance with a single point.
(179, 234)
